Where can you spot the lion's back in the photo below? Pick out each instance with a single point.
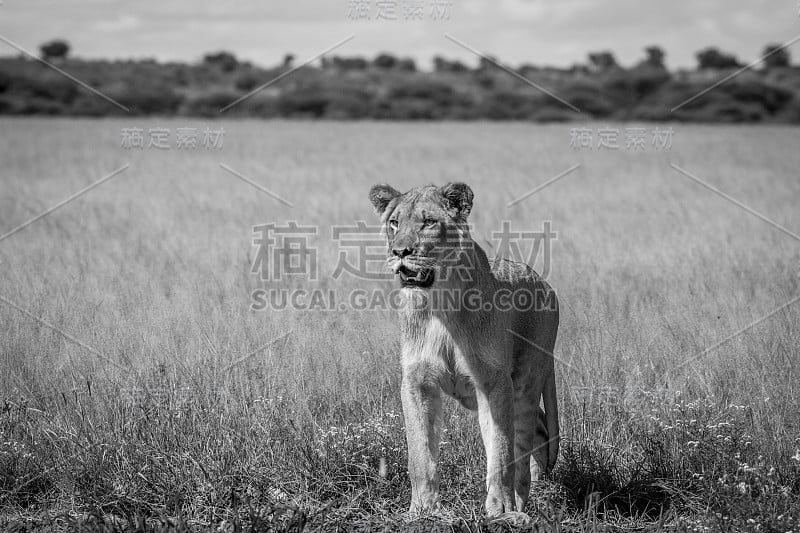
(514, 272)
(517, 275)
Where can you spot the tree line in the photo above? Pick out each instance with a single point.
(391, 87)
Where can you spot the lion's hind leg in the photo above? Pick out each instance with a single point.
(536, 429)
(530, 440)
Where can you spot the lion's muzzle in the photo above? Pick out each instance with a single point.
(415, 278)
(413, 271)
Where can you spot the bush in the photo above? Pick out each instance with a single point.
(424, 89)
(425, 98)
(209, 104)
(56, 49)
(246, 81)
(407, 65)
(349, 103)
(712, 58)
(589, 99)
(50, 86)
(226, 61)
(150, 99)
(635, 84)
(730, 111)
(790, 113)
(89, 105)
(5, 81)
(385, 61)
(551, 114)
(405, 109)
(510, 105)
(260, 105)
(346, 63)
(7, 105)
(770, 97)
(776, 55)
(303, 103)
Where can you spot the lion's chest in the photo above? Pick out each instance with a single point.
(441, 348)
(433, 341)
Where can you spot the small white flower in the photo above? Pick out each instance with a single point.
(277, 494)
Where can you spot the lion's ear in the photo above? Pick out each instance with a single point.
(381, 195)
(458, 197)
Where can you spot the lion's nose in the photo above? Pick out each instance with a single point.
(401, 251)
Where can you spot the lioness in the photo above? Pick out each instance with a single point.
(496, 359)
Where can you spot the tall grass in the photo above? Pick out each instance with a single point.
(172, 416)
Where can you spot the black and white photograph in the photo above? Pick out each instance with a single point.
(400, 265)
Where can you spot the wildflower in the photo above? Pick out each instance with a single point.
(277, 494)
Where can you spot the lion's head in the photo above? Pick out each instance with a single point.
(426, 229)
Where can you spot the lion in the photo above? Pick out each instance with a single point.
(458, 338)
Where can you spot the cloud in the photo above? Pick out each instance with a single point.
(123, 22)
(516, 31)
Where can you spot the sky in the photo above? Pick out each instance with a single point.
(541, 32)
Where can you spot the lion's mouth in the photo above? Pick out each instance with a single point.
(415, 278)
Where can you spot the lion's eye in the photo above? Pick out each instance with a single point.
(430, 222)
(393, 225)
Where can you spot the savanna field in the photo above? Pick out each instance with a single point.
(175, 404)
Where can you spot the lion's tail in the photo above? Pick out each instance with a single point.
(551, 420)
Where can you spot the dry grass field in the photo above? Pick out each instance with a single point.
(174, 403)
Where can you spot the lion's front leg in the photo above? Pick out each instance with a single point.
(496, 417)
(422, 409)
